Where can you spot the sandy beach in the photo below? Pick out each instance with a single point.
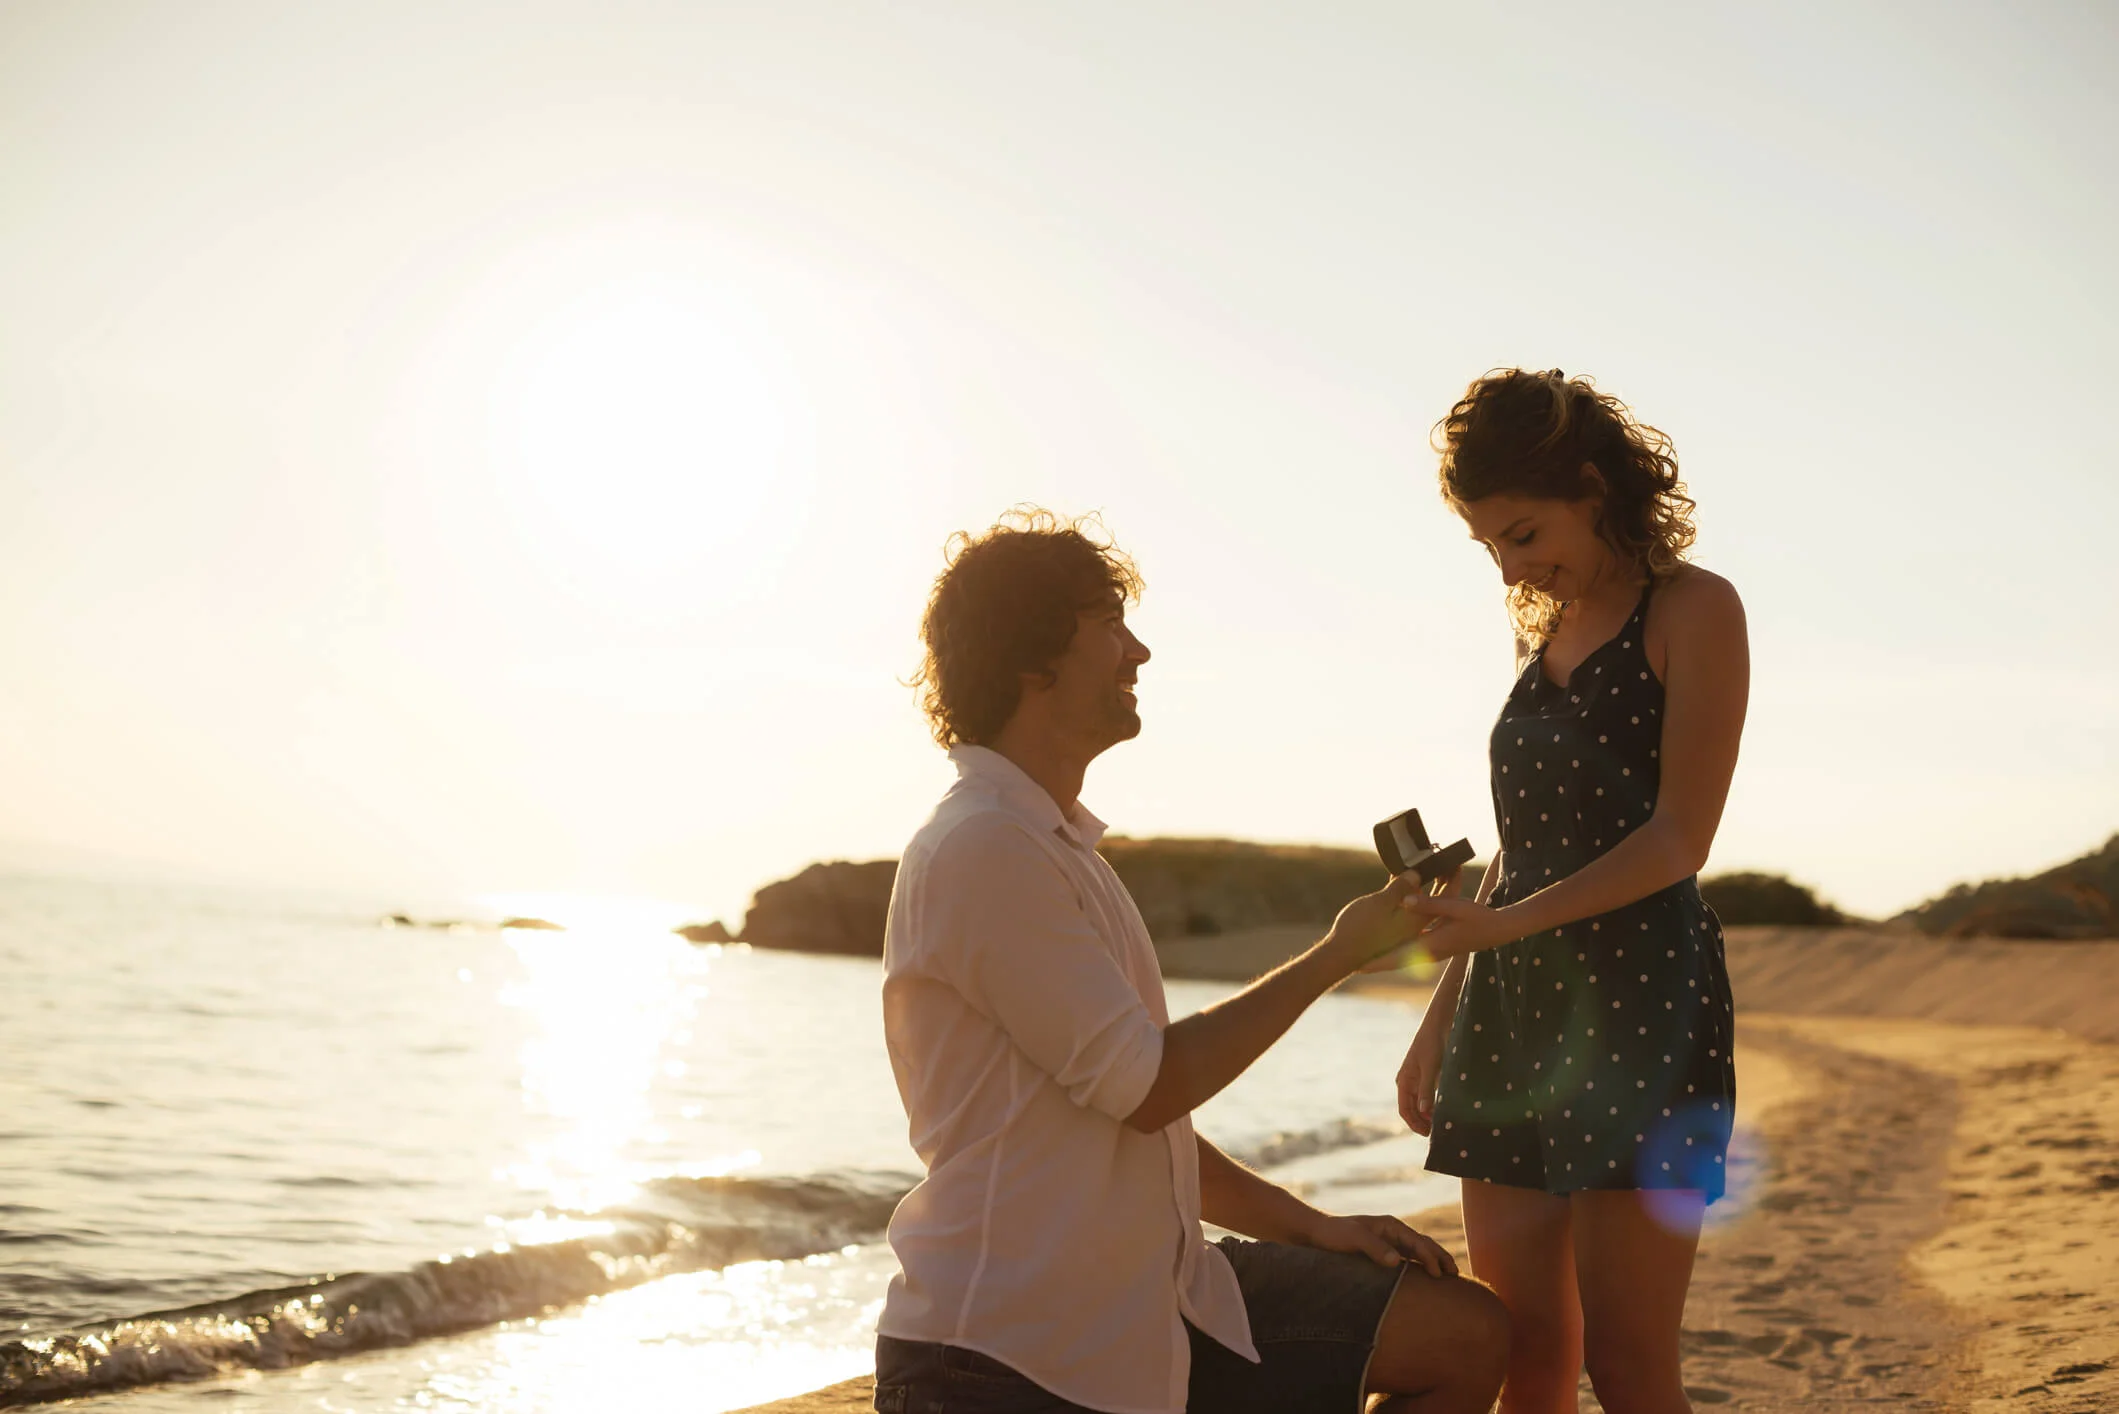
(1930, 1135)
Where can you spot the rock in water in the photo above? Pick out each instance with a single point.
(833, 908)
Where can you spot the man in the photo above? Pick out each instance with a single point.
(1052, 1258)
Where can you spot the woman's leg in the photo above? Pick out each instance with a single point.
(1633, 1260)
(1521, 1246)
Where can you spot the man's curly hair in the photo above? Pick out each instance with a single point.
(1006, 605)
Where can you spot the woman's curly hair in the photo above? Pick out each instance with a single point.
(1519, 433)
(1006, 605)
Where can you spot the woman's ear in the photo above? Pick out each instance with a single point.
(1594, 487)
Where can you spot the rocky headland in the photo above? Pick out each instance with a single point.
(1186, 888)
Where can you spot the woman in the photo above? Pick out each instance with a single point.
(1577, 1073)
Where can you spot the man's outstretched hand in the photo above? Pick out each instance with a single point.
(1385, 1240)
(1375, 926)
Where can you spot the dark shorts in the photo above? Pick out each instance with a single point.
(1314, 1317)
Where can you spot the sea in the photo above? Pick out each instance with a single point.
(271, 1151)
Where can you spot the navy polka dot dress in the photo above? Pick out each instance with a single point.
(1596, 1055)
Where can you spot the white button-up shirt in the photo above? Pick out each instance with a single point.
(1024, 1012)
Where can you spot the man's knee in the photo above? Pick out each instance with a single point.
(1488, 1332)
(1453, 1333)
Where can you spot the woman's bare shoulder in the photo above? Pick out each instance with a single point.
(1697, 608)
(1692, 595)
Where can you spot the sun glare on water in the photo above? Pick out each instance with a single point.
(695, 1343)
(610, 1001)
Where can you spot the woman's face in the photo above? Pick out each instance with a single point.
(1552, 546)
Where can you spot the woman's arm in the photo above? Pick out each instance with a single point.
(1422, 1067)
(1491, 879)
(1442, 1002)
(1707, 685)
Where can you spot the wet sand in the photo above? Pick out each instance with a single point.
(1932, 1215)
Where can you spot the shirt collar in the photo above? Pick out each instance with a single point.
(1024, 796)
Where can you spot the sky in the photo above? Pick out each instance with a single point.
(507, 447)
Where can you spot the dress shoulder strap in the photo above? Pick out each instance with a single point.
(1640, 608)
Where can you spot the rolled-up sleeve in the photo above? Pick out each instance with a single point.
(1007, 930)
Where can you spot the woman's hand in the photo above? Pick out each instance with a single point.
(1386, 1241)
(1462, 926)
(1417, 1077)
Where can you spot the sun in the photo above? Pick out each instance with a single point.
(638, 429)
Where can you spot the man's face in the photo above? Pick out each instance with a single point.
(1092, 692)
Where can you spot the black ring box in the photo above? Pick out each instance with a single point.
(1403, 845)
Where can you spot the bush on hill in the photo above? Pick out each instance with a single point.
(1773, 900)
(1195, 888)
(2078, 899)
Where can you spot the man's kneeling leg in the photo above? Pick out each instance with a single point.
(1333, 1328)
(1442, 1347)
(916, 1377)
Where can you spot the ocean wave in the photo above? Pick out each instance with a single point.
(1296, 1144)
(673, 1225)
(670, 1225)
